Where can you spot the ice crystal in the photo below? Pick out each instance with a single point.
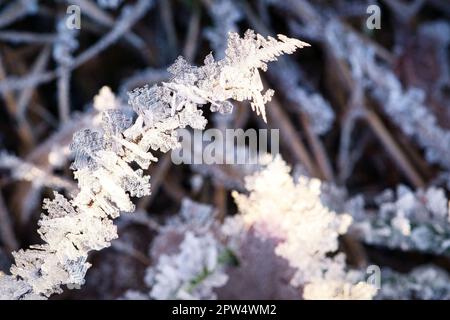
(86, 143)
(249, 54)
(17, 290)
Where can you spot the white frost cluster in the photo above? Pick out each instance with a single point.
(192, 273)
(291, 212)
(407, 220)
(105, 159)
(190, 259)
(426, 282)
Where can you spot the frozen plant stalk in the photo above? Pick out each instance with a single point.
(72, 228)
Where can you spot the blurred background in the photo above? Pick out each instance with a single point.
(366, 109)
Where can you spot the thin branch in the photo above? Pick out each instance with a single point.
(318, 150)
(63, 86)
(279, 119)
(15, 11)
(220, 202)
(26, 94)
(23, 130)
(169, 25)
(6, 229)
(27, 37)
(191, 43)
(393, 148)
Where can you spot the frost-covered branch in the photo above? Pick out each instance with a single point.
(17, 10)
(104, 159)
(406, 107)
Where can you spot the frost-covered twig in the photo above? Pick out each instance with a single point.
(73, 228)
(89, 8)
(109, 4)
(26, 37)
(66, 43)
(16, 10)
(129, 16)
(404, 219)
(317, 109)
(405, 106)
(26, 94)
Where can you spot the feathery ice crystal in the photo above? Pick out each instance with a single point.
(72, 228)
